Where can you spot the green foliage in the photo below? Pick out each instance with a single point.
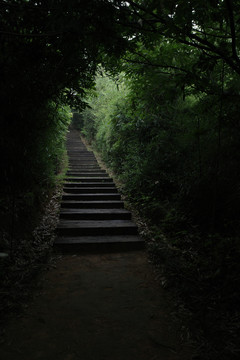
(211, 28)
(175, 147)
(187, 139)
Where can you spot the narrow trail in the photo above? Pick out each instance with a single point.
(92, 213)
(96, 305)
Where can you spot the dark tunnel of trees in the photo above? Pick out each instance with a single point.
(155, 88)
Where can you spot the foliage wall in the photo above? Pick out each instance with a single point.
(169, 148)
(177, 155)
(49, 52)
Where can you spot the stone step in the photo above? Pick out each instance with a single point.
(88, 184)
(73, 143)
(79, 163)
(82, 163)
(77, 148)
(96, 227)
(75, 152)
(94, 204)
(98, 244)
(86, 171)
(87, 174)
(80, 153)
(91, 197)
(92, 214)
(80, 158)
(83, 160)
(89, 190)
(88, 179)
(85, 163)
(95, 214)
(85, 166)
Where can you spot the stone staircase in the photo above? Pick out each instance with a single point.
(92, 214)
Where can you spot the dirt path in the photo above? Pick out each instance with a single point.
(96, 307)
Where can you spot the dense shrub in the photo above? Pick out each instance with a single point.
(179, 161)
(30, 164)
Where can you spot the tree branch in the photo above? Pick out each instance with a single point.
(158, 65)
(160, 19)
(232, 27)
(195, 41)
(148, 63)
(212, 35)
(30, 35)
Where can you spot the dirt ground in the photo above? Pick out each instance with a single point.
(97, 307)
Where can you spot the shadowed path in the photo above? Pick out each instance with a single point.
(96, 307)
